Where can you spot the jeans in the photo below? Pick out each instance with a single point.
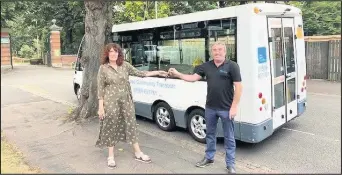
(211, 118)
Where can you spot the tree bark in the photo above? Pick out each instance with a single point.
(97, 28)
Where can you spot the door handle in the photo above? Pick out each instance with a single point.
(287, 76)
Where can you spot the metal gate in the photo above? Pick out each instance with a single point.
(47, 48)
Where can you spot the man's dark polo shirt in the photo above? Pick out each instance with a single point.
(220, 90)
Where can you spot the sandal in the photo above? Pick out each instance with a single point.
(142, 157)
(111, 162)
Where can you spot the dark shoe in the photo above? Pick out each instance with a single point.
(204, 162)
(231, 170)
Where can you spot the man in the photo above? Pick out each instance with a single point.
(222, 101)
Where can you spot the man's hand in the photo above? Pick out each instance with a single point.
(173, 72)
(186, 77)
(232, 112)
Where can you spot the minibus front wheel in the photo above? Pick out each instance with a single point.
(77, 90)
(164, 116)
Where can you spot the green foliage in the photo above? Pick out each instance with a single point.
(26, 51)
(29, 19)
(132, 11)
(320, 17)
(184, 7)
(7, 12)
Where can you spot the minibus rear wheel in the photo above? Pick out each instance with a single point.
(197, 125)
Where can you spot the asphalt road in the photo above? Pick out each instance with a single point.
(308, 144)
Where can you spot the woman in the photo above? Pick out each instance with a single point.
(116, 108)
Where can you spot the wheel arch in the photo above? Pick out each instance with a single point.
(154, 105)
(188, 111)
(76, 85)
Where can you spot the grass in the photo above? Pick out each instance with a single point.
(71, 109)
(12, 160)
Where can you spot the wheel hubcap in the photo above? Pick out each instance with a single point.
(198, 126)
(163, 117)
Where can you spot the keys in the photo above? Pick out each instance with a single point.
(167, 76)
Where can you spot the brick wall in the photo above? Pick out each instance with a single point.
(67, 60)
(5, 50)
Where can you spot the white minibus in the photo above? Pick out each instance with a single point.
(265, 39)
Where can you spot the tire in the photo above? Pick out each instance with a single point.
(195, 126)
(164, 117)
(78, 93)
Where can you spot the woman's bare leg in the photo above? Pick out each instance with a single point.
(111, 151)
(136, 148)
(140, 155)
(111, 161)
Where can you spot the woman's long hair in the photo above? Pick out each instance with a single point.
(117, 48)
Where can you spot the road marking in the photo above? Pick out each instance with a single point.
(299, 131)
(312, 134)
(322, 94)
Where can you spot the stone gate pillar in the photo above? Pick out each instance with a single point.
(6, 55)
(55, 45)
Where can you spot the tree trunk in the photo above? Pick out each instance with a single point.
(97, 26)
(222, 4)
(69, 36)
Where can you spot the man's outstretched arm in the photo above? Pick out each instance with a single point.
(190, 78)
(185, 77)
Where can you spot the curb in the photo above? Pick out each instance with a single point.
(5, 69)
